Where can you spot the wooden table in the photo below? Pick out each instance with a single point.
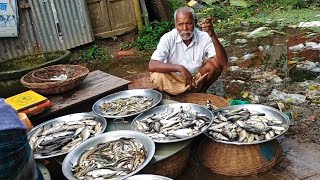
(97, 85)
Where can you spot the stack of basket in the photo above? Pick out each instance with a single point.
(235, 160)
(42, 80)
(172, 166)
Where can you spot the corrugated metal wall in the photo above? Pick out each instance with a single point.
(48, 25)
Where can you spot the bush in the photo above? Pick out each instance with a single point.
(150, 35)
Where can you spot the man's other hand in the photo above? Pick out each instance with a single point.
(186, 76)
(207, 26)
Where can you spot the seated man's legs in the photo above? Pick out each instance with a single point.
(168, 82)
(214, 70)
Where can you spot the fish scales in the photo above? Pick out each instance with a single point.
(123, 156)
(241, 125)
(126, 106)
(174, 123)
(62, 136)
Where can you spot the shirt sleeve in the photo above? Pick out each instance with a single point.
(210, 51)
(9, 118)
(162, 52)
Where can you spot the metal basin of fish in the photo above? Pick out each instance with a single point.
(247, 124)
(152, 97)
(148, 177)
(73, 158)
(173, 122)
(60, 135)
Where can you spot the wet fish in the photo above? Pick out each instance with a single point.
(126, 106)
(241, 125)
(110, 160)
(173, 123)
(62, 136)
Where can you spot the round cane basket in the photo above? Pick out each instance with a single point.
(172, 166)
(71, 71)
(140, 81)
(201, 98)
(234, 160)
(40, 85)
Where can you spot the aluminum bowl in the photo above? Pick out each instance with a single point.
(69, 117)
(74, 155)
(269, 111)
(157, 96)
(148, 177)
(159, 109)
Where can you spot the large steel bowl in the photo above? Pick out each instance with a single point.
(74, 155)
(69, 117)
(148, 177)
(269, 111)
(159, 109)
(155, 95)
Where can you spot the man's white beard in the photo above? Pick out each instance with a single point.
(186, 35)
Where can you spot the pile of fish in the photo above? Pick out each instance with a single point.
(241, 125)
(63, 136)
(110, 160)
(126, 106)
(173, 123)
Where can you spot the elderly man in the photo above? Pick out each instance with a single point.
(187, 59)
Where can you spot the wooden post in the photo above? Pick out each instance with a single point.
(137, 12)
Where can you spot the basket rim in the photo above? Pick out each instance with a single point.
(55, 66)
(57, 87)
(23, 81)
(136, 83)
(41, 85)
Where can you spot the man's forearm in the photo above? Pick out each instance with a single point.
(156, 66)
(221, 55)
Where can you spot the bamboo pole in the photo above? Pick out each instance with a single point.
(138, 15)
(144, 12)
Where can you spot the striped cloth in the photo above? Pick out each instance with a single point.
(16, 157)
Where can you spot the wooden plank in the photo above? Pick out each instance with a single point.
(121, 20)
(115, 32)
(24, 5)
(99, 16)
(97, 85)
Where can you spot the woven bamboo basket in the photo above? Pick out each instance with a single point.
(234, 160)
(201, 98)
(140, 81)
(71, 71)
(53, 87)
(172, 166)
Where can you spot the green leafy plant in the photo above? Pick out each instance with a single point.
(125, 45)
(150, 35)
(218, 11)
(94, 53)
(98, 53)
(175, 4)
